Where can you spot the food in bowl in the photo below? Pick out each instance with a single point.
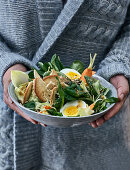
(59, 91)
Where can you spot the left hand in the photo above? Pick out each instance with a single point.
(122, 86)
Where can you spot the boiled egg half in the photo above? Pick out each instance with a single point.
(71, 109)
(71, 73)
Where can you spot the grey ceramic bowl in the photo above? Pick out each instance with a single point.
(64, 121)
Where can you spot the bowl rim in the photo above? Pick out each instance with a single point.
(62, 117)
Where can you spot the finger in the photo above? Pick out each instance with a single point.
(11, 104)
(100, 121)
(5, 86)
(121, 93)
(114, 110)
(20, 112)
(93, 124)
(5, 91)
(7, 100)
(43, 124)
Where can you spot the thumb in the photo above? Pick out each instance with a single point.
(122, 86)
(122, 89)
(121, 93)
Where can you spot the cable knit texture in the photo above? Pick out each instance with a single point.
(32, 31)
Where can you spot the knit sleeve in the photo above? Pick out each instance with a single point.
(9, 58)
(117, 60)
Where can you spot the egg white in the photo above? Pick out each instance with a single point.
(67, 70)
(78, 103)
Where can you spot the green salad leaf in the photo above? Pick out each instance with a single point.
(54, 112)
(75, 92)
(30, 105)
(90, 86)
(31, 74)
(61, 93)
(56, 63)
(58, 103)
(78, 66)
(47, 73)
(111, 100)
(43, 67)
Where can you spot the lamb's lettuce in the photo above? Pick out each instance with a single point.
(54, 112)
(78, 66)
(56, 63)
(111, 100)
(30, 105)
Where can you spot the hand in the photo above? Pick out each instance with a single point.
(7, 99)
(122, 86)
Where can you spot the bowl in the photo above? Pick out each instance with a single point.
(64, 121)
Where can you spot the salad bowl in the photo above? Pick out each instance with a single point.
(58, 121)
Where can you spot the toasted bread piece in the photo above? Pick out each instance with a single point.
(27, 92)
(41, 90)
(50, 78)
(36, 75)
(53, 93)
(51, 81)
(50, 85)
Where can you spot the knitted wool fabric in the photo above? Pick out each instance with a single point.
(32, 31)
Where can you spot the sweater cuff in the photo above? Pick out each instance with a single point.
(9, 59)
(114, 69)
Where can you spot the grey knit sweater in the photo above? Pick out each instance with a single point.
(32, 31)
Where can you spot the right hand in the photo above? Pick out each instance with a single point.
(6, 98)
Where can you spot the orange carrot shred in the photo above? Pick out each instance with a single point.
(93, 72)
(47, 107)
(92, 106)
(88, 71)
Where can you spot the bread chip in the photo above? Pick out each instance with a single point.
(50, 85)
(51, 80)
(40, 89)
(54, 91)
(36, 75)
(27, 92)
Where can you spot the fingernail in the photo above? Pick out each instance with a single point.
(122, 96)
(34, 123)
(98, 124)
(92, 125)
(43, 124)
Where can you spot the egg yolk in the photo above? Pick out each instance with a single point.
(72, 75)
(70, 111)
